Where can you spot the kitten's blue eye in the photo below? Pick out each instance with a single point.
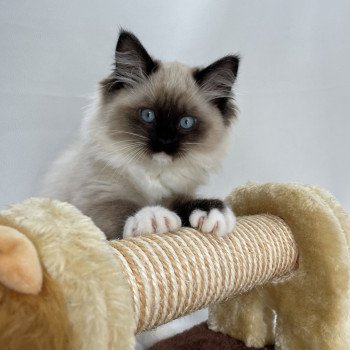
(148, 115)
(187, 122)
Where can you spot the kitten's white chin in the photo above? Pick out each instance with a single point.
(162, 158)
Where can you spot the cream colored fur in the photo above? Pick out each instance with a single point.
(75, 254)
(312, 306)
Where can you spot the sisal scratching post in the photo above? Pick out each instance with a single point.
(172, 275)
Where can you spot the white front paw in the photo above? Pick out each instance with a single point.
(220, 222)
(151, 220)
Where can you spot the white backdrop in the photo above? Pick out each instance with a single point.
(293, 86)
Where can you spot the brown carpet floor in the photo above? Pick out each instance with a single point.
(202, 338)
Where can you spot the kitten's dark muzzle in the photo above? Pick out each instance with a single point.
(167, 145)
(166, 142)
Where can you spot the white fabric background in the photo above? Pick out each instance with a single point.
(293, 86)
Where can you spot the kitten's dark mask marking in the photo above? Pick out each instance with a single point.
(165, 133)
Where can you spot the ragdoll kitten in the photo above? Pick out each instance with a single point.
(154, 134)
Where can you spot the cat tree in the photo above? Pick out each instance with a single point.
(282, 276)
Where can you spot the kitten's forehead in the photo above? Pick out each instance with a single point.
(174, 75)
(173, 84)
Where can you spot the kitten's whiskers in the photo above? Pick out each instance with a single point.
(127, 132)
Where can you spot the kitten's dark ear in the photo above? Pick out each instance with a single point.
(216, 81)
(131, 55)
(133, 64)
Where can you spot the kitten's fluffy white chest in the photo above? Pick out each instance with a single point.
(159, 182)
(154, 188)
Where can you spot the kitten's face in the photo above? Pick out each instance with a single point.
(166, 111)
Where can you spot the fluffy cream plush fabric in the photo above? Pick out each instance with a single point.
(85, 301)
(312, 306)
(76, 256)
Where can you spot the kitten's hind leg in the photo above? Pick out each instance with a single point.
(206, 215)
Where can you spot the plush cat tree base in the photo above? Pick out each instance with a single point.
(63, 287)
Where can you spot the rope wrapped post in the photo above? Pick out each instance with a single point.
(175, 274)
